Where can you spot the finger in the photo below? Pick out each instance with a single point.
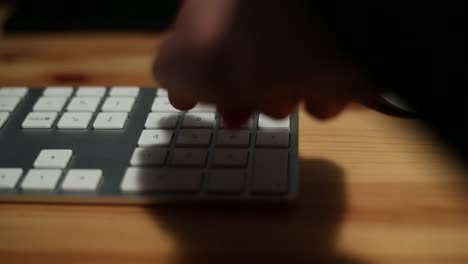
(280, 108)
(180, 102)
(324, 110)
(233, 119)
(161, 65)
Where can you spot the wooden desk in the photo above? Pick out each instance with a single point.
(374, 188)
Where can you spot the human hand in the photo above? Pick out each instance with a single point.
(248, 56)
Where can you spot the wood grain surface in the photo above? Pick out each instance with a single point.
(374, 188)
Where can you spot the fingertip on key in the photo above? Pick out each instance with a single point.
(181, 103)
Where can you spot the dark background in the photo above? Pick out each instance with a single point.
(61, 16)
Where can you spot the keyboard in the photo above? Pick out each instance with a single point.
(128, 144)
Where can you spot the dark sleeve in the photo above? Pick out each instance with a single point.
(415, 51)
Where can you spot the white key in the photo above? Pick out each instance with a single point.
(82, 180)
(53, 159)
(173, 180)
(83, 104)
(19, 91)
(270, 171)
(161, 92)
(238, 138)
(161, 120)
(201, 107)
(199, 120)
(226, 181)
(247, 125)
(9, 177)
(49, 104)
(162, 104)
(148, 156)
(41, 179)
(72, 120)
(230, 158)
(186, 157)
(131, 91)
(9, 103)
(266, 138)
(94, 91)
(39, 120)
(266, 122)
(52, 91)
(110, 120)
(3, 118)
(194, 137)
(118, 104)
(155, 138)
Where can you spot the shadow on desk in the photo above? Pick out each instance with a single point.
(305, 233)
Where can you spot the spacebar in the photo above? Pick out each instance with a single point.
(170, 180)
